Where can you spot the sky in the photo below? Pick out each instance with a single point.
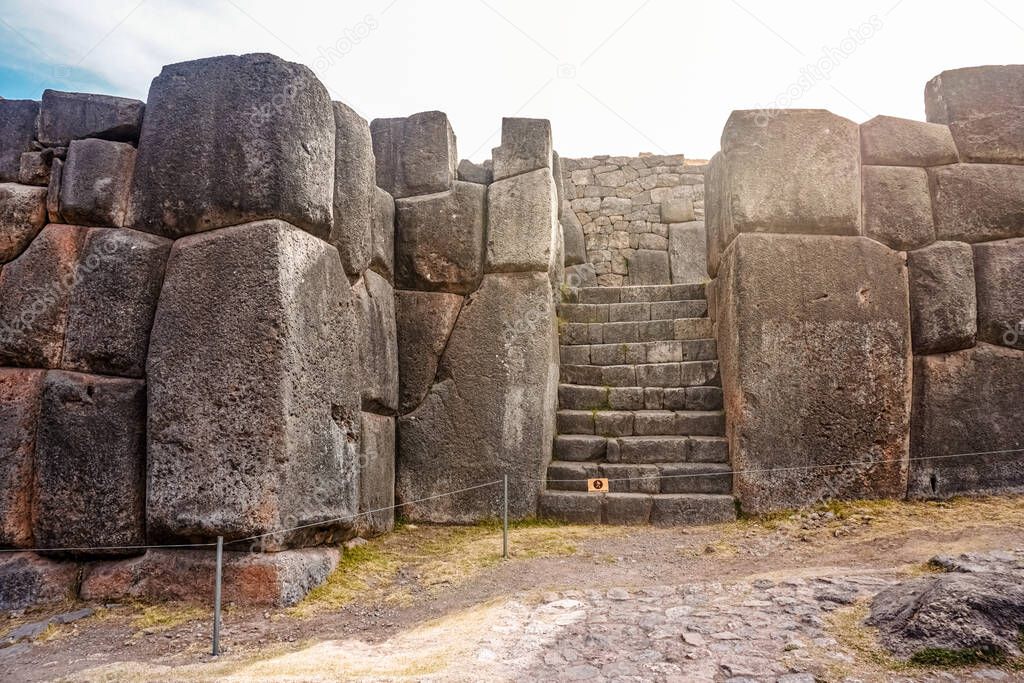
(618, 78)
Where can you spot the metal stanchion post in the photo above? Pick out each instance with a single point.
(504, 523)
(216, 597)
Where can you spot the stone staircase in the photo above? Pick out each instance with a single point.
(640, 403)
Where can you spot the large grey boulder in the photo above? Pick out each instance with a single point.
(34, 168)
(113, 302)
(382, 233)
(677, 210)
(378, 348)
(492, 412)
(34, 292)
(22, 216)
(999, 273)
(67, 116)
(20, 397)
(943, 306)
(415, 155)
(815, 368)
(967, 402)
(253, 389)
(53, 191)
(687, 252)
(978, 202)
(797, 171)
(525, 146)
(898, 206)
(17, 130)
(95, 181)
(572, 237)
(984, 108)
(439, 239)
(377, 475)
(424, 321)
(716, 223)
(522, 223)
(90, 463)
(354, 189)
(648, 267)
(891, 141)
(475, 173)
(233, 139)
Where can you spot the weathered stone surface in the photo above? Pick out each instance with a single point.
(382, 255)
(53, 191)
(439, 239)
(999, 274)
(233, 139)
(113, 302)
(522, 214)
(583, 275)
(891, 141)
(20, 397)
(90, 463)
(898, 206)
(648, 267)
(22, 216)
(378, 347)
(943, 307)
(984, 108)
(556, 172)
(797, 172)
(253, 388)
(415, 155)
(687, 252)
(978, 202)
(475, 173)
(677, 211)
(493, 410)
(17, 130)
(377, 475)
(67, 116)
(34, 293)
(424, 321)
(962, 611)
(27, 580)
(572, 237)
(34, 168)
(95, 182)
(354, 189)
(967, 402)
(525, 146)
(716, 223)
(278, 579)
(843, 299)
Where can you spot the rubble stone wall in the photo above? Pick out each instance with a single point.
(868, 297)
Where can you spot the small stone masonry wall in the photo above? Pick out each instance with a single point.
(868, 296)
(642, 217)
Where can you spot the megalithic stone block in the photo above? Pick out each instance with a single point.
(984, 109)
(797, 171)
(17, 130)
(377, 475)
(687, 248)
(67, 116)
(415, 155)
(20, 397)
(978, 202)
(522, 215)
(94, 183)
(90, 464)
(572, 234)
(28, 580)
(233, 139)
(53, 191)
(493, 410)
(382, 258)
(378, 348)
(113, 302)
(253, 378)
(22, 216)
(943, 306)
(439, 239)
(898, 206)
(890, 141)
(35, 290)
(424, 323)
(999, 274)
(354, 189)
(648, 267)
(716, 220)
(474, 173)
(525, 146)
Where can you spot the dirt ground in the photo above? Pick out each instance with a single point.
(415, 604)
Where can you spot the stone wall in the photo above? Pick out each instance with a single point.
(642, 217)
(868, 299)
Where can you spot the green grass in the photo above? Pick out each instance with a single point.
(952, 658)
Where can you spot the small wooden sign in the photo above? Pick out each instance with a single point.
(597, 485)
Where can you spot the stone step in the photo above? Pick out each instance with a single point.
(636, 293)
(687, 374)
(641, 450)
(664, 477)
(633, 312)
(640, 352)
(637, 508)
(642, 422)
(574, 334)
(584, 397)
